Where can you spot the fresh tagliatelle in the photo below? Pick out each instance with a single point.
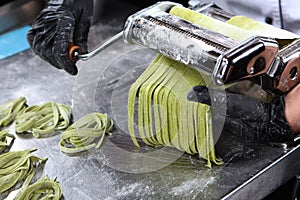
(16, 166)
(44, 188)
(164, 115)
(43, 119)
(10, 109)
(81, 135)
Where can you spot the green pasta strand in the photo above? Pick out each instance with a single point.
(81, 135)
(132, 99)
(3, 139)
(172, 102)
(145, 125)
(10, 109)
(43, 119)
(16, 166)
(160, 110)
(44, 188)
(145, 105)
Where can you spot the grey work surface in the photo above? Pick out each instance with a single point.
(251, 170)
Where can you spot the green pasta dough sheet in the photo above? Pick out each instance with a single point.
(239, 28)
(211, 23)
(260, 28)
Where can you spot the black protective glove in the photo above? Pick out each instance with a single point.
(61, 22)
(246, 117)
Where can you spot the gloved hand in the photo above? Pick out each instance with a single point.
(246, 117)
(60, 22)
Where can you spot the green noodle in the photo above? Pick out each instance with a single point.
(43, 119)
(81, 135)
(10, 109)
(16, 166)
(44, 188)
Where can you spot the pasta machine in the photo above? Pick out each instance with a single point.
(261, 59)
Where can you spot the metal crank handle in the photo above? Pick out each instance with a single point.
(75, 52)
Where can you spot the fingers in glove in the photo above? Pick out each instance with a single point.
(83, 23)
(236, 105)
(40, 37)
(199, 94)
(266, 124)
(247, 117)
(214, 98)
(80, 36)
(59, 23)
(65, 27)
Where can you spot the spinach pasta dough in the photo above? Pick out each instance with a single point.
(239, 28)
